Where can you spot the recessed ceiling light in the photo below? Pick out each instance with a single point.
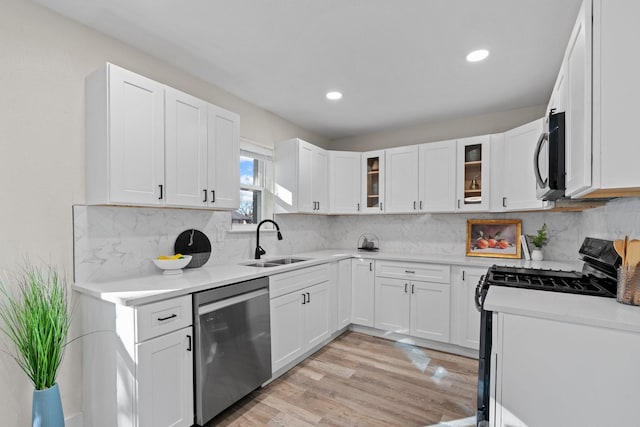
(334, 95)
(477, 55)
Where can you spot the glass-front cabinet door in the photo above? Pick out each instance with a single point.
(473, 174)
(373, 181)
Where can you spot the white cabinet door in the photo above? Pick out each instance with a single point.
(465, 318)
(473, 178)
(319, 182)
(344, 182)
(558, 100)
(438, 177)
(401, 179)
(136, 140)
(344, 292)
(362, 300)
(223, 181)
(316, 315)
(430, 303)
(578, 112)
(186, 149)
(165, 380)
(373, 170)
(287, 329)
(306, 202)
(392, 304)
(518, 181)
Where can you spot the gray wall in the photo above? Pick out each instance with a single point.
(440, 131)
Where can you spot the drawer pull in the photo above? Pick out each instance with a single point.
(162, 319)
(410, 271)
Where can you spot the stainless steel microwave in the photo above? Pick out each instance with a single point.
(549, 157)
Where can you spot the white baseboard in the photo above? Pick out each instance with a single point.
(74, 420)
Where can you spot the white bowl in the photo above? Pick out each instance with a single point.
(172, 266)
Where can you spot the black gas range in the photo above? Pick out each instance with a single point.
(597, 278)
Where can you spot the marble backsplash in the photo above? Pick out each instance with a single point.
(111, 242)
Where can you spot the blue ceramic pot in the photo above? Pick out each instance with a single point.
(46, 409)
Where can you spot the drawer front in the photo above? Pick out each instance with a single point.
(163, 317)
(414, 271)
(284, 283)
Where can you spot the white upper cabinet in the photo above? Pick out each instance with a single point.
(437, 177)
(203, 153)
(373, 171)
(344, 182)
(601, 85)
(558, 100)
(473, 177)
(578, 108)
(125, 138)
(513, 182)
(301, 177)
(401, 179)
(149, 144)
(223, 154)
(186, 148)
(616, 90)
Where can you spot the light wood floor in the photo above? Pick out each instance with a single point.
(359, 380)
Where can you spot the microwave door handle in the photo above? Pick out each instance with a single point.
(536, 156)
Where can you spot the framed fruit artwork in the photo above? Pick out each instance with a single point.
(497, 238)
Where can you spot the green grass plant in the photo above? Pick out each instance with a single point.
(36, 317)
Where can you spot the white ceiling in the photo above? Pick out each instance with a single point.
(398, 62)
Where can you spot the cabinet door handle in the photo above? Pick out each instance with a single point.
(358, 208)
(205, 196)
(410, 271)
(458, 203)
(162, 319)
(213, 196)
(414, 205)
(462, 274)
(370, 266)
(420, 204)
(189, 338)
(160, 185)
(413, 288)
(304, 299)
(380, 205)
(308, 297)
(504, 202)
(405, 288)
(318, 205)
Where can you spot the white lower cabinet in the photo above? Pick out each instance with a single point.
(362, 292)
(137, 363)
(165, 380)
(414, 307)
(302, 313)
(344, 293)
(556, 373)
(465, 323)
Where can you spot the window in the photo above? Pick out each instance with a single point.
(256, 198)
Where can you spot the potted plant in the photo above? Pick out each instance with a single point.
(36, 317)
(539, 240)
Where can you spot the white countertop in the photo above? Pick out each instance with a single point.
(582, 309)
(147, 289)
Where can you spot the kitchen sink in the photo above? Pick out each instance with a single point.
(275, 262)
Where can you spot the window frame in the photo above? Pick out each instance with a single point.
(263, 153)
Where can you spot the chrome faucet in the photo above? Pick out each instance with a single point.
(259, 250)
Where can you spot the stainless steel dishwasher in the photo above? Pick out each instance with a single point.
(233, 345)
